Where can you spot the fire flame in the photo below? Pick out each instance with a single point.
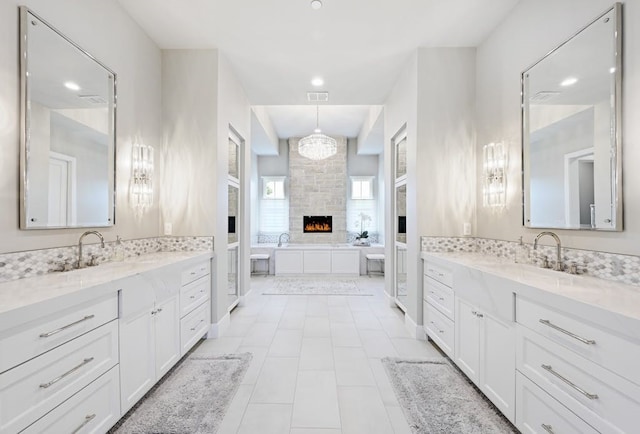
(317, 227)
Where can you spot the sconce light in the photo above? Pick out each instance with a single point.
(141, 193)
(494, 180)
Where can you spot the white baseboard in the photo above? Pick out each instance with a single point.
(416, 331)
(218, 329)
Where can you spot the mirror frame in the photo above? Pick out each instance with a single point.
(616, 137)
(25, 12)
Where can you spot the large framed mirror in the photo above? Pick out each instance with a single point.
(571, 131)
(67, 147)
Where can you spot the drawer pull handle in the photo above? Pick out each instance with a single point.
(69, 372)
(51, 333)
(196, 326)
(193, 273)
(569, 382)
(88, 418)
(568, 333)
(192, 297)
(441, 298)
(479, 315)
(547, 428)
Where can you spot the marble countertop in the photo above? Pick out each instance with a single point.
(553, 287)
(294, 246)
(16, 296)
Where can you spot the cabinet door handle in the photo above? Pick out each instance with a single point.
(159, 310)
(568, 333)
(473, 312)
(88, 418)
(53, 332)
(69, 372)
(547, 428)
(479, 315)
(192, 297)
(549, 369)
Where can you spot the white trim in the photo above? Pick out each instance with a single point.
(218, 329)
(416, 331)
(71, 186)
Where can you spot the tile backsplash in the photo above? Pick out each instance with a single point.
(31, 263)
(610, 266)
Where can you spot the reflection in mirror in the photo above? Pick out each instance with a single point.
(68, 134)
(401, 274)
(401, 213)
(401, 157)
(234, 161)
(233, 214)
(571, 124)
(232, 281)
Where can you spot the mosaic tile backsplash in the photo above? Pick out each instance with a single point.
(610, 266)
(31, 263)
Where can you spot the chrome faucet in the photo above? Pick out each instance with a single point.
(558, 266)
(80, 263)
(280, 238)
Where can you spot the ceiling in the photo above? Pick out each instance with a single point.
(358, 46)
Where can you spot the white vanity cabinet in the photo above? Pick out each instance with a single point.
(438, 306)
(469, 318)
(484, 351)
(318, 260)
(61, 353)
(149, 335)
(195, 307)
(580, 366)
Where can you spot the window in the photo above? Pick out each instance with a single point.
(273, 187)
(362, 187)
(362, 208)
(274, 205)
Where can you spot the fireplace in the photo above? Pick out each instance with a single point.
(317, 223)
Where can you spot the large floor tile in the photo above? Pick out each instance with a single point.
(317, 327)
(362, 411)
(316, 401)
(413, 348)
(366, 320)
(377, 344)
(314, 431)
(387, 394)
(235, 412)
(398, 420)
(352, 367)
(286, 343)
(260, 334)
(259, 354)
(316, 354)
(277, 381)
(292, 320)
(266, 419)
(219, 346)
(340, 314)
(345, 335)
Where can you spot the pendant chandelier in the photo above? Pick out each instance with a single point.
(317, 146)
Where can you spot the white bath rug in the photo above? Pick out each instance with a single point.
(314, 286)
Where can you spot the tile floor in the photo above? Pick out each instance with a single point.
(316, 362)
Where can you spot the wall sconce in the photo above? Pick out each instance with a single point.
(494, 179)
(141, 192)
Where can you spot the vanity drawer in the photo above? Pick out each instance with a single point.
(195, 272)
(605, 400)
(583, 337)
(193, 294)
(439, 328)
(537, 412)
(32, 389)
(193, 327)
(440, 296)
(37, 337)
(94, 409)
(438, 272)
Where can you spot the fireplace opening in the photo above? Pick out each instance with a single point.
(317, 223)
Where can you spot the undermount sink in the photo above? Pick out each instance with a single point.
(527, 272)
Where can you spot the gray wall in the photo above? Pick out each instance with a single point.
(136, 60)
(516, 44)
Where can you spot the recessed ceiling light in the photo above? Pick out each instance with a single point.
(569, 81)
(612, 69)
(71, 85)
(317, 81)
(316, 4)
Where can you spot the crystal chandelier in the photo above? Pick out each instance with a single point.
(317, 146)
